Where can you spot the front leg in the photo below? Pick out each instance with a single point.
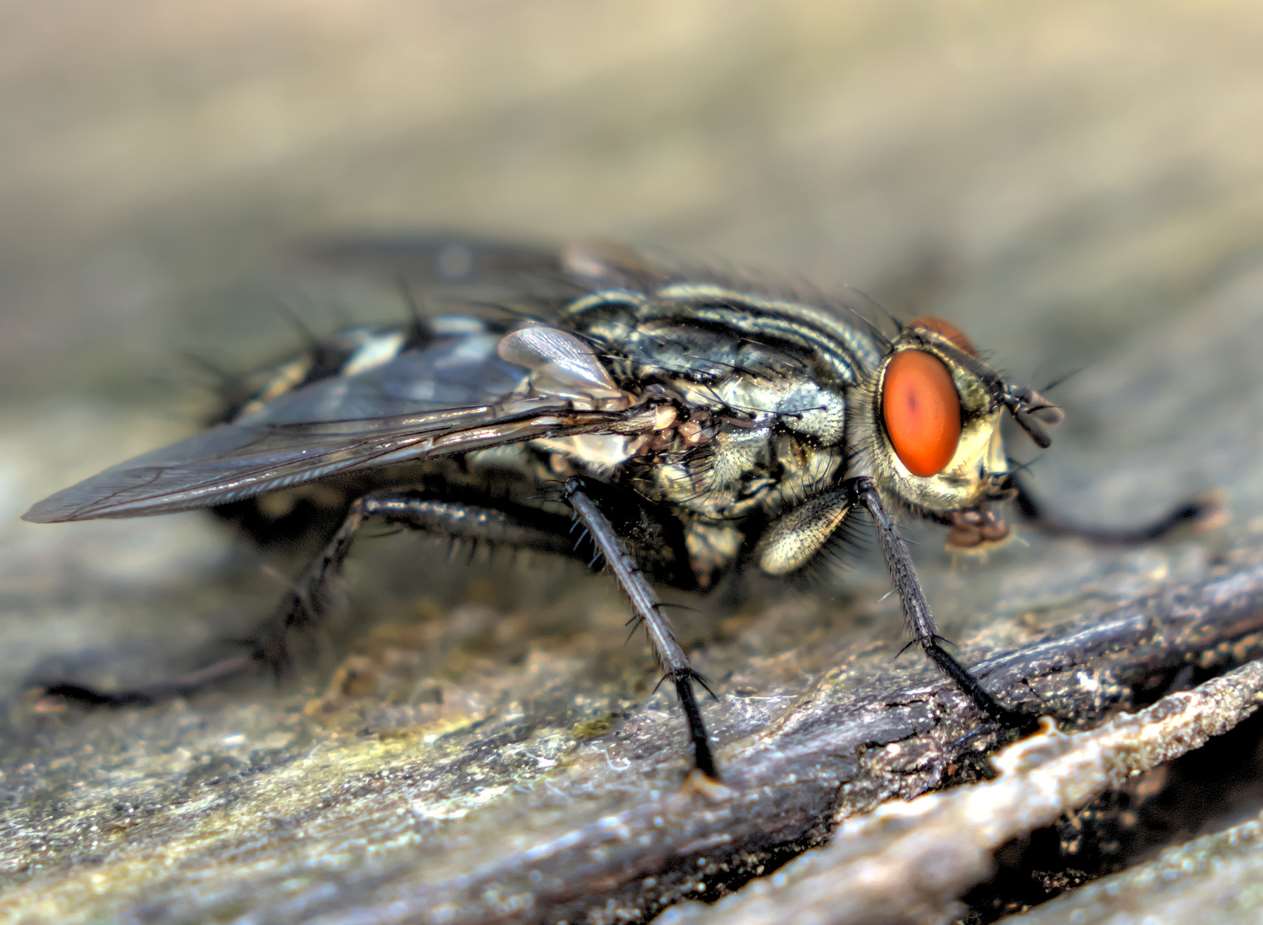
(1195, 511)
(917, 610)
(647, 611)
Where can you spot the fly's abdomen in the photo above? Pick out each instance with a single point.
(297, 516)
(309, 512)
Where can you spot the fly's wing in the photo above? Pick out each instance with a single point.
(469, 268)
(547, 279)
(439, 258)
(511, 273)
(454, 394)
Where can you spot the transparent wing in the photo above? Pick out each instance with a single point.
(471, 269)
(543, 280)
(453, 395)
(538, 277)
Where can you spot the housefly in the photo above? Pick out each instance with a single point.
(692, 423)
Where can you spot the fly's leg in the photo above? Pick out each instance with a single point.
(1193, 511)
(916, 609)
(188, 683)
(306, 603)
(647, 611)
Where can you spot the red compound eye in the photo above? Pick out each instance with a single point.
(922, 411)
(945, 329)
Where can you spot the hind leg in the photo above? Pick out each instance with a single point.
(307, 601)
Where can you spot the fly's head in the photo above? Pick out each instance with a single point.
(935, 442)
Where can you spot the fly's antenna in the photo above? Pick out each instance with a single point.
(1033, 412)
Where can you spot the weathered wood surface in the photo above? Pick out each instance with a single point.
(1074, 184)
(917, 857)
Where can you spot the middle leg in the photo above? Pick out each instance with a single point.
(647, 611)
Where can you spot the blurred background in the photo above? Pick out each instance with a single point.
(1077, 184)
(1036, 167)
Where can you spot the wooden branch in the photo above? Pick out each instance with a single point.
(840, 754)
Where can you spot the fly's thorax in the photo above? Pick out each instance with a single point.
(794, 445)
(930, 429)
(729, 468)
(717, 471)
(750, 419)
(734, 357)
(793, 404)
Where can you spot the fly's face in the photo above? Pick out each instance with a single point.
(935, 410)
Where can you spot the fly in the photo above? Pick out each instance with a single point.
(691, 424)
